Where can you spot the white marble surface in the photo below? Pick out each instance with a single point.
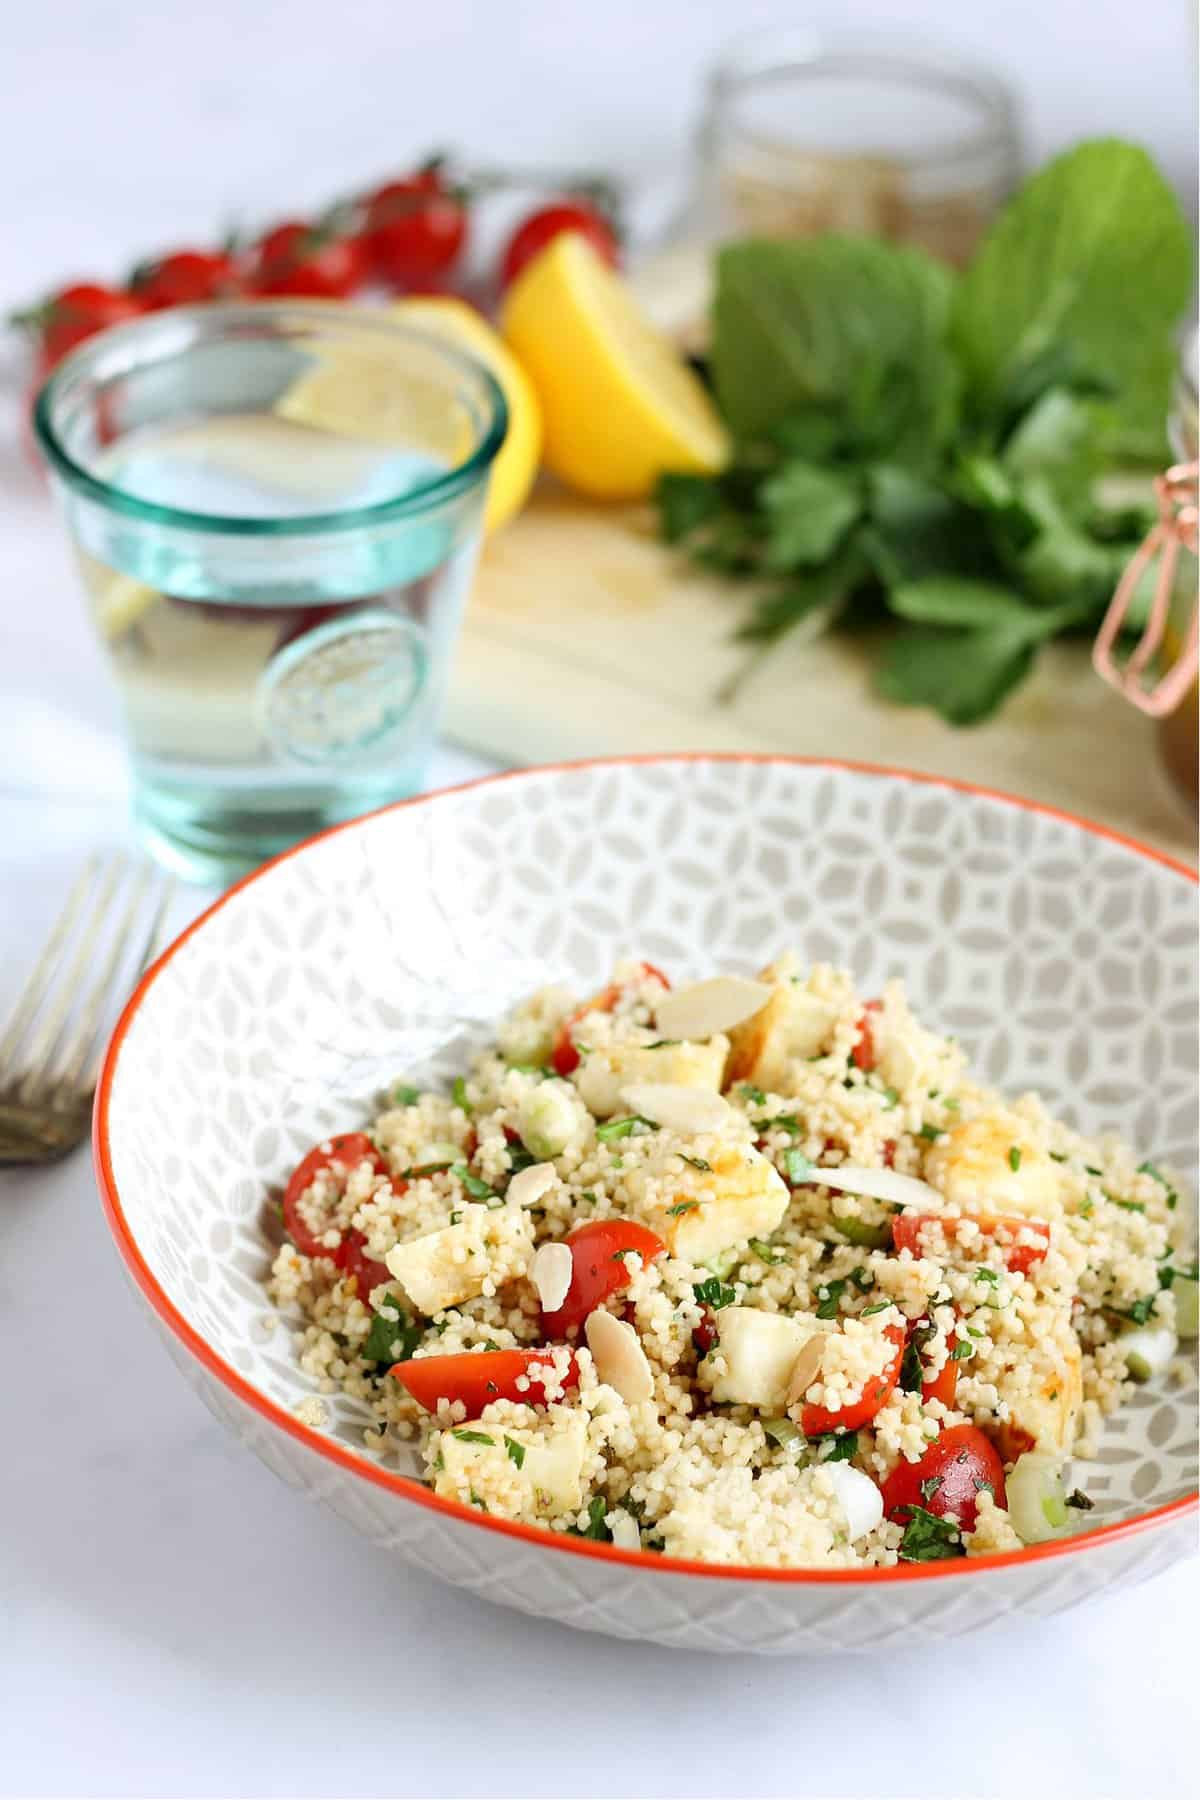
(172, 1621)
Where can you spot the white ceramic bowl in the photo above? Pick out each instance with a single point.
(1064, 957)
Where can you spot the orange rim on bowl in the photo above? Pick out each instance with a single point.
(552, 1542)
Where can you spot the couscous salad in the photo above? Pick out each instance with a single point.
(749, 1271)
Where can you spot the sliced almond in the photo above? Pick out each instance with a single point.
(686, 1109)
(551, 1273)
(703, 1008)
(619, 1358)
(881, 1184)
(805, 1369)
(528, 1185)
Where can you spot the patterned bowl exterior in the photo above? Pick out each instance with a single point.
(1065, 959)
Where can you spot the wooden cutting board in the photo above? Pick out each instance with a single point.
(586, 637)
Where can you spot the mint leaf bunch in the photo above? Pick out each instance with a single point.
(917, 447)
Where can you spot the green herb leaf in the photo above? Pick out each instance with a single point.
(516, 1452)
(930, 1133)
(1092, 258)
(928, 1538)
(754, 1095)
(1141, 1310)
(686, 502)
(393, 1335)
(478, 1190)
(963, 675)
(961, 1352)
(1134, 1206)
(698, 1162)
(877, 1306)
(459, 1094)
(473, 1437)
(988, 1275)
(595, 1528)
(713, 1292)
(1014, 1157)
(841, 1446)
(766, 1252)
(404, 1095)
(831, 1293)
(808, 512)
(1079, 1499)
(621, 1128)
(683, 1206)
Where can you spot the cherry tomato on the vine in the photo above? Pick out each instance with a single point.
(77, 313)
(542, 227)
(186, 278)
(302, 260)
(415, 230)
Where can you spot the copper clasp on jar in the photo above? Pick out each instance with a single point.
(1175, 529)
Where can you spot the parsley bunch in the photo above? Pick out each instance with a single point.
(921, 447)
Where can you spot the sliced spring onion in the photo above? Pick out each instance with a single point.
(1185, 1289)
(781, 1431)
(868, 1234)
(725, 1261)
(1037, 1500)
(1148, 1350)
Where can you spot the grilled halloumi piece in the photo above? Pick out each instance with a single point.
(794, 1025)
(1043, 1416)
(756, 1354)
(478, 1463)
(604, 1072)
(737, 1195)
(446, 1267)
(988, 1166)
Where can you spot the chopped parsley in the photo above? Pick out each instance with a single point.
(423, 1169)
(1086, 1207)
(929, 1488)
(799, 1169)
(1014, 1157)
(928, 1538)
(830, 1294)
(595, 1528)
(1140, 1311)
(459, 1094)
(456, 1218)
(620, 1255)
(714, 1293)
(474, 1437)
(698, 1162)
(476, 1499)
(840, 1446)
(1168, 1273)
(754, 1094)
(621, 1128)
(683, 1206)
(1057, 1156)
(960, 1353)
(393, 1335)
(781, 1431)
(862, 1281)
(988, 1275)
(1080, 1501)
(766, 1252)
(1126, 1205)
(1148, 1168)
(930, 1133)
(519, 1158)
(478, 1190)
(781, 1122)
(404, 1095)
(878, 1307)
(516, 1452)
(891, 1098)
(912, 1369)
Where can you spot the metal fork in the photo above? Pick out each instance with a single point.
(49, 1052)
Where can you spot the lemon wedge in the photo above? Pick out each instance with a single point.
(619, 404)
(516, 464)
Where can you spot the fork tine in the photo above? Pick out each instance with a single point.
(39, 980)
(75, 1055)
(59, 1005)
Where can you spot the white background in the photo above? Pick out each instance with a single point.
(172, 1620)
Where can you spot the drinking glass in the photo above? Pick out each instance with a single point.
(276, 508)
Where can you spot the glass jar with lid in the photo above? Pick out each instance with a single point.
(805, 133)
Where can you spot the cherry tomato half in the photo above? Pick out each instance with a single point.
(565, 1056)
(865, 1053)
(415, 230)
(944, 1385)
(476, 1377)
(306, 260)
(343, 1155)
(76, 313)
(908, 1228)
(187, 278)
(598, 1267)
(814, 1420)
(948, 1478)
(542, 227)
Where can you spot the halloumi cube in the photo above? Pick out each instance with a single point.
(740, 1195)
(548, 1482)
(451, 1265)
(793, 1026)
(989, 1166)
(1044, 1417)
(756, 1353)
(604, 1072)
